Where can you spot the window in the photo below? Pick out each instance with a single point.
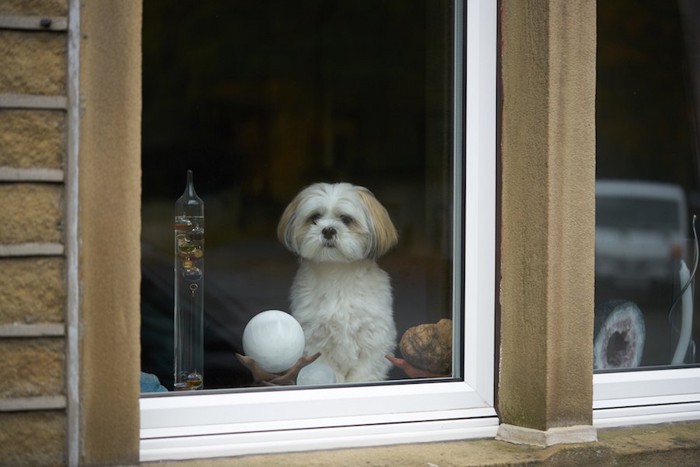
(358, 91)
(646, 200)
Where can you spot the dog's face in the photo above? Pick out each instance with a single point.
(336, 223)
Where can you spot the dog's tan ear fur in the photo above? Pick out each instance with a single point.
(383, 231)
(285, 229)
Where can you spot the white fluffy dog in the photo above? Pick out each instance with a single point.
(341, 298)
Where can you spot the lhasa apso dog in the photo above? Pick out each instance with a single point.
(339, 295)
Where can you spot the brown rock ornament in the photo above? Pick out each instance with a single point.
(426, 350)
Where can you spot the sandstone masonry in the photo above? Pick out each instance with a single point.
(33, 83)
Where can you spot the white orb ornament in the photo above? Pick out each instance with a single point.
(274, 339)
(314, 373)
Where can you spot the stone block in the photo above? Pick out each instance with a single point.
(32, 138)
(33, 290)
(33, 62)
(32, 366)
(31, 213)
(34, 7)
(32, 438)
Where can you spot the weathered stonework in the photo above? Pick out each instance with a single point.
(35, 408)
(34, 7)
(33, 62)
(33, 290)
(32, 138)
(547, 214)
(32, 367)
(32, 438)
(31, 213)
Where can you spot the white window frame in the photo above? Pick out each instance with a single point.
(646, 397)
(297, 419)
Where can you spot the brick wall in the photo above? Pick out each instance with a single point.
(33, 135)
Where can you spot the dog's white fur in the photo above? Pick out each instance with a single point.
(339, 295)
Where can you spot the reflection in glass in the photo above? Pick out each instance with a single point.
(648, 184)
(641, 229)
(263, 98)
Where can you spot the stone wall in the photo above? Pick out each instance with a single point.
(33, 70)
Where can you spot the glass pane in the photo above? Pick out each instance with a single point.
(647, 190)
(261, 99)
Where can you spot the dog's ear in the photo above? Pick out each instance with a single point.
(285, 227)
(384, 235)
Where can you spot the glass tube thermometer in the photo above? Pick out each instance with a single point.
(189, 290)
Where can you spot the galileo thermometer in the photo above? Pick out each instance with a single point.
(189, 290)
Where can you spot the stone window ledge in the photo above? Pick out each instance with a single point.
(676, 444)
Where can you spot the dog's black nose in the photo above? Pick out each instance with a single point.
(328, 233)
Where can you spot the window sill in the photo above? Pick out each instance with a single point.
(671, 444)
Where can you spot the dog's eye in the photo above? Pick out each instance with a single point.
(313, 218)
(347, 220)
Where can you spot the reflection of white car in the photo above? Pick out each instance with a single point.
(641, 229)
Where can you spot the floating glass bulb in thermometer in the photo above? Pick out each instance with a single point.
(189, 289)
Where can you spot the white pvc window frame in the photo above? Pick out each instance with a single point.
(285, 420)
(646, 397)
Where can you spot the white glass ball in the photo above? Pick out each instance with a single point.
(316, 372)
(274, 339)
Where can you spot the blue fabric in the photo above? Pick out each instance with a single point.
(151, 383)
